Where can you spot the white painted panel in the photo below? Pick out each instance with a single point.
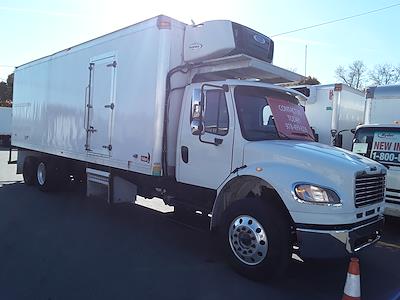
(5, 120)
(204, 158)
(101, 105)
(385, 111)
(319, 113)
(340, 110)
(351, 115)
(49, 97)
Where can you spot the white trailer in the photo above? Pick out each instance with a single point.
(333, 111)
(379, 138)
(5, 125)
(169, 110)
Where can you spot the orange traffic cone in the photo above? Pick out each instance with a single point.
(352, 287)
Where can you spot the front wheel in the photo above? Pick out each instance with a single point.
(256, 235)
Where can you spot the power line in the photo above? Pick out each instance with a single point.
(338, 20)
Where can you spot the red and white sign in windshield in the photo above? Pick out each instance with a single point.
(290, 119)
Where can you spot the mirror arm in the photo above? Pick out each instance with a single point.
(216, 142)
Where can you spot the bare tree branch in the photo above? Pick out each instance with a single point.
(385, 74)
(353, 75)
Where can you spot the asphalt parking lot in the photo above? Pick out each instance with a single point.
(65, 246)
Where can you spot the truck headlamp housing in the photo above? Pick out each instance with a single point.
(315, 194)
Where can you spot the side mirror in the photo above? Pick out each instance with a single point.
(353, 130)
(338, 141)
(196, 104)
(197, 127)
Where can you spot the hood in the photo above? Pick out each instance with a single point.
(312, 156)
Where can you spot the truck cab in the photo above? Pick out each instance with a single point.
(379, 138)
(382, 144)
(251, 143)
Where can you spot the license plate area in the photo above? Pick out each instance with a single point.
(366, 235)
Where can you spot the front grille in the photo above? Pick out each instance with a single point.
(392, 196)
(369, 189)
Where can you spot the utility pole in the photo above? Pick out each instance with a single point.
(305, 61)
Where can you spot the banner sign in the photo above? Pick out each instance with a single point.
(386, 147)
(290, 119)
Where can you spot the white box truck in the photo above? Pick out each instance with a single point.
(334, 111)
(188, 114)
(5, 125)
(379, 138)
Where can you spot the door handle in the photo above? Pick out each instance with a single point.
(111, 106)
(185, 154)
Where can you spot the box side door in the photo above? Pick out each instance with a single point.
(100, 105)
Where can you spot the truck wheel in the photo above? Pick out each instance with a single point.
(46, 176)
(256, 235)
(28, 171)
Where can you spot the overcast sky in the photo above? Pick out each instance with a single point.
(32, 29)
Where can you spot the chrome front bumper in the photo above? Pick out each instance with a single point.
(338, 240)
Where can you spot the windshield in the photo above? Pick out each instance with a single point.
(265, 114)
(380, 144)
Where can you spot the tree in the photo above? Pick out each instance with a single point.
(310, 81)
(385, 74)
(10, 86)
(6, 91)
(353, 75)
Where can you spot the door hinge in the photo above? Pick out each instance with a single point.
(113, 64)
(110, 106)
(91, 65)
(109, 147)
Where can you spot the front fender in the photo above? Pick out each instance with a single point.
(235, 187)
(282, 179)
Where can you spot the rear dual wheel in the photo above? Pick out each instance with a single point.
(44, 173)
(49, 177)
(29, 170)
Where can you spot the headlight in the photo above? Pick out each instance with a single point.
(316, 194)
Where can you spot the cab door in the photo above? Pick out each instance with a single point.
(206, 160)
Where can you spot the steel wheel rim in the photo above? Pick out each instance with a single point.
(41, 173)
(248, 240)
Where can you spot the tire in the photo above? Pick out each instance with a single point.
(256, 237)
(48, 176)
(29, 170)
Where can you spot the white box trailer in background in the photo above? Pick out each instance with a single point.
(379, 138)
(382, 105)
(333, 110)
(169, 110)
(5, 125)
